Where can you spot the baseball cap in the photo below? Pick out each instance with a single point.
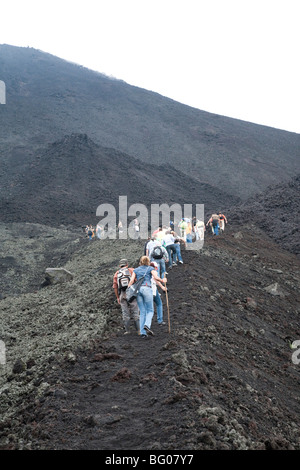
(123, 262)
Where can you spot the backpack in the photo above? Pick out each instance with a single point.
(123, 278)
(157, 252)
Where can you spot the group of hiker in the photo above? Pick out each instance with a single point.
(141, 308)
(97, 231)
(92, 232)
(188, 228)
(162, 251)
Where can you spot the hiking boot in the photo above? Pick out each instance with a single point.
(150, 332)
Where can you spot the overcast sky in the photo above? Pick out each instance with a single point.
(237, 58)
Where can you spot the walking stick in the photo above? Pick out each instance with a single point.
(168, 308)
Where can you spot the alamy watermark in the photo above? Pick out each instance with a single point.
(2, 92)
(148, 221)
(2, 353)
(296, 354)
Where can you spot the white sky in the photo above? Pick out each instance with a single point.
(237, 58)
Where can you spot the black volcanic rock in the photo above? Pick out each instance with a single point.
(48, 98)
(276, 211)
(66, 182)
(223, 377)
(221, 373)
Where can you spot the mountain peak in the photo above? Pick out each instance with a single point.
(53, 98)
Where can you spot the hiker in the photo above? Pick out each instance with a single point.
(183, 226)
(159, 233)
(150, 244)
(145, 295)
(159, 254)
(223, 221)
(145, 251)
(177, 256)
(156, 296)
(194, 228)
(137, 228)
(98, 231)
(196, 224)
(169, 244)
(156, 232)
(189, 229)
(120, 283)
(200, 229)
(214, 223)
(90, 232)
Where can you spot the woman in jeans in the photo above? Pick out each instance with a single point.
(145, 295)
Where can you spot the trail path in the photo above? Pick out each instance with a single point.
(221, 379)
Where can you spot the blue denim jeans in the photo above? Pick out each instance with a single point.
(145, 303)
(171, 249)
(159, 307)
(178, 253)
(216, 229)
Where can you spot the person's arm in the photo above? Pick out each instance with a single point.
(132, 279)
(115, 287)
(165, 254)
(164, 288)
(117, 294)
(156, 278)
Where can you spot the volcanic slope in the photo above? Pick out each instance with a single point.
(48, 98)
(66, 181)
(222, 377)
(276, 211)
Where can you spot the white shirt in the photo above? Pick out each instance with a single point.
(154, 286)
(168, 239)
(150, 245)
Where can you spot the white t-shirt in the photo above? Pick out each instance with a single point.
(150, 245)
(168, 239)
(154, 286)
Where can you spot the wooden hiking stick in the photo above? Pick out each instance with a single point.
(168, 307)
